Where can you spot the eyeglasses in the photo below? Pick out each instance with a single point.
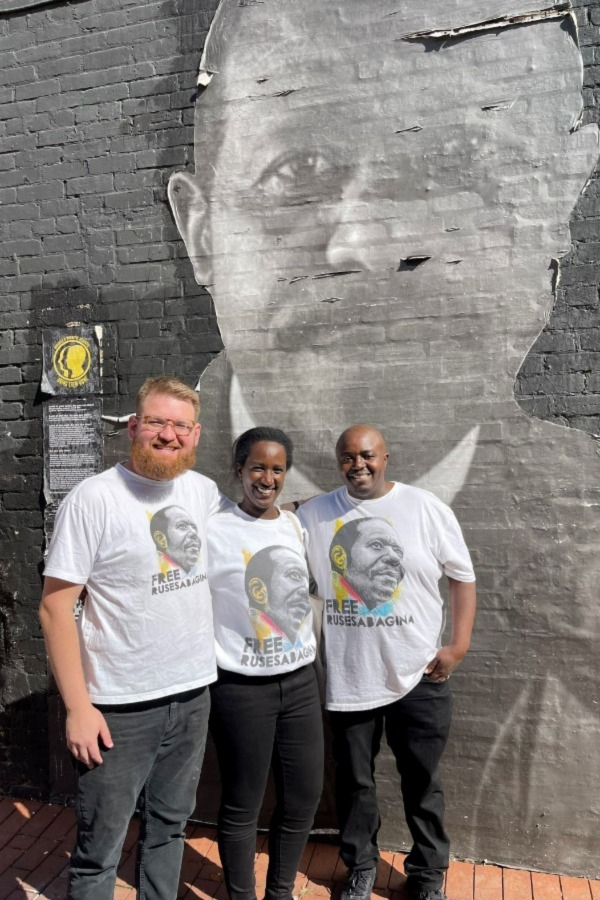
(181, 429)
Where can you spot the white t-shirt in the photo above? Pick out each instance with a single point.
(140, 547)
(259, 584)
(377, 564)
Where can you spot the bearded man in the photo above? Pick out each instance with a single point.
(133, 669)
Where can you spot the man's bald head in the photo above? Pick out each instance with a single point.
(362, 456)
(360, 431)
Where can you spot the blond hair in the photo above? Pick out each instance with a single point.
(171, 387)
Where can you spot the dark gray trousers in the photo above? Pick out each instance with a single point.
(156, 757)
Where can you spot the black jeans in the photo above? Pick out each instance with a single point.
(257, 722)
(156, 757)
(416, 729)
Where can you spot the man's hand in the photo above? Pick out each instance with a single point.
(86, 728)
(86, 725)
(462, 606)
(444, 663)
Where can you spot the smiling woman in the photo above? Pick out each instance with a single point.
(262, 475)
(265, 703)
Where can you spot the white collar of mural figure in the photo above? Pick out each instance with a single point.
(445, 479)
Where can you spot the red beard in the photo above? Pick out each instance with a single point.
(164, 467)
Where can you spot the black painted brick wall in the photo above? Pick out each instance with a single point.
(95, 112)
(560, 378)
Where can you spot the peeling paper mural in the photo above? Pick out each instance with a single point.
(381, 192)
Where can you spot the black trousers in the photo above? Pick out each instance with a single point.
(258, 723)
(416, 728)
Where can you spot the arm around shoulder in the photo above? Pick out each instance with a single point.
(85, 724)
(294, 505)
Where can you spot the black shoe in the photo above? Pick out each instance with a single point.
(424, 894)
(360, 884)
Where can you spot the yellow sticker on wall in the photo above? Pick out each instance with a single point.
(71, 361)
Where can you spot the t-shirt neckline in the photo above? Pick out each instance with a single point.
(355, 501)
(264, 523)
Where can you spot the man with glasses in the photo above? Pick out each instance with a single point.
(133, 670)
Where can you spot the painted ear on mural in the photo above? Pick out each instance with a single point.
(190, 212)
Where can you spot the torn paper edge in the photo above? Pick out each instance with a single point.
(554, 12)
(207, 67)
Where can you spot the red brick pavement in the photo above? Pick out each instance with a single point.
(36, 839)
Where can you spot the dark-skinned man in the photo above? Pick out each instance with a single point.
(386, 666)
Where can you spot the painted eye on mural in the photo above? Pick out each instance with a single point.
(298, 177)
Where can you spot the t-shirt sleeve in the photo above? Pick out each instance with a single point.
(303, 515)
(453, 554)
(217, 501)
(74, 544)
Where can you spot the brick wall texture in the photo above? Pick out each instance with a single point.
(559, 380)
(96, 112)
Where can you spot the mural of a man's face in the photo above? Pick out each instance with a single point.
(385, 207)
(277, 584)
(369, 556)
(176, 535)
(376, 218)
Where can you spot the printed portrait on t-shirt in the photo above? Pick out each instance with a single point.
(276, 583)
(176, 538)
(366, 565)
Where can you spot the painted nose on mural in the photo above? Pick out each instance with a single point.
(354, 229)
